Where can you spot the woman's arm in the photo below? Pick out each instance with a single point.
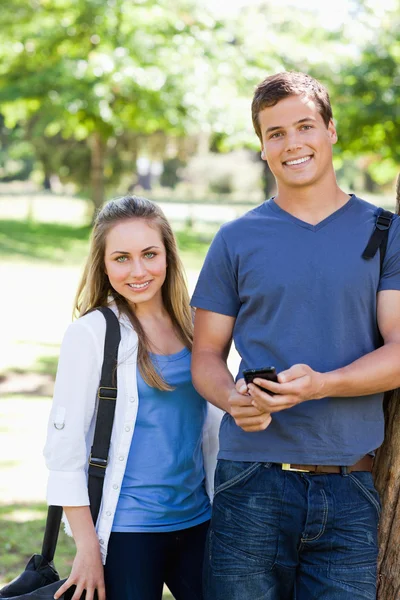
(87, 570)
(72, 413)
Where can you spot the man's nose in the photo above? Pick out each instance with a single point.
(293, 142)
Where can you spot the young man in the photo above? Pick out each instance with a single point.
(295, 512)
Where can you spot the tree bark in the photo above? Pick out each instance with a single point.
(387, 481)
(98, 151)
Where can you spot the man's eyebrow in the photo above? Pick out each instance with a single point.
(125, 252)
(269, 129)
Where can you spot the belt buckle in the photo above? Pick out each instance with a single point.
(288, 467)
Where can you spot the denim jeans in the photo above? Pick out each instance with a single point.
(281, 535)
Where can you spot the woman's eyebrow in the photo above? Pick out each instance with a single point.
(125, 252)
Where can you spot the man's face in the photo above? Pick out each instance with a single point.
(296, 142)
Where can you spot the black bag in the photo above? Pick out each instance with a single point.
(40, 579)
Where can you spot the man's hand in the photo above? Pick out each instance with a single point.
(246, 415)
(296, 385)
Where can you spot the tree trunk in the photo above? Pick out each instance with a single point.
(387, 481)
(98, 149)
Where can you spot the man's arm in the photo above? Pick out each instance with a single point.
(211, 376)
(373, 373)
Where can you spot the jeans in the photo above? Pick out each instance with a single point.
(138, 564)
(281, 535)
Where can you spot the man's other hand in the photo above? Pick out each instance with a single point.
(295, 385)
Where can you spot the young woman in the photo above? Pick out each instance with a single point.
(155, 506)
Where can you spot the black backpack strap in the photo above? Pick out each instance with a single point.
(379, 236)
(107, 395)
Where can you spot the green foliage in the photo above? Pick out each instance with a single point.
(75, 69)
(365, 94)
(97, 80)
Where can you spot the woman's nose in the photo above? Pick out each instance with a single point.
(137, 268)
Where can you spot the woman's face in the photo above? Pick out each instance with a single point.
(135, 261)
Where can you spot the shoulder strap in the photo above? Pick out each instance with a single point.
(379, 236)
(107, 394)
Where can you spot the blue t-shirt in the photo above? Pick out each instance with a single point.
(163, 488)
(302, 293)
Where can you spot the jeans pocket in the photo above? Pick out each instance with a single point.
(229, 473)
(355, 583)
(365, 483)
(230, 560)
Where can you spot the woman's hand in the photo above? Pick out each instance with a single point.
(87, 570)
(87, 574)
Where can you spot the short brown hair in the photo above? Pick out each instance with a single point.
(289, 83)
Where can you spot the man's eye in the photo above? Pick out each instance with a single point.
(307, 127)
(275, 135)
(149, 254)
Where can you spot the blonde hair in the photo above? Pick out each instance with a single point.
(94, 288)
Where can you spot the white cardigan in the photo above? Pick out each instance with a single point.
(73, 416)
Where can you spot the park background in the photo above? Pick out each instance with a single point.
(103, 97)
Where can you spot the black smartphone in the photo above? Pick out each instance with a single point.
(268, 373)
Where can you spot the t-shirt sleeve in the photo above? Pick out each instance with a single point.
(217, 289)
(390, 278)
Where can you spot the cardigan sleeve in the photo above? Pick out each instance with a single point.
(210, 445)
(72, 415)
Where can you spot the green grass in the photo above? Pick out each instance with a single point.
(21, 535)
(56, 243)
(49, 242)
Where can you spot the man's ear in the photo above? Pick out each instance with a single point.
(332, 132)
(262, 154)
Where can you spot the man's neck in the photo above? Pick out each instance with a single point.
(312, 204)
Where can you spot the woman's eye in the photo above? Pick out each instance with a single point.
(121, 259)
(149, 254)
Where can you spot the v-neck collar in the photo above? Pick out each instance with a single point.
(286, 215)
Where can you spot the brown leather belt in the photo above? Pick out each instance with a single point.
(365, 464)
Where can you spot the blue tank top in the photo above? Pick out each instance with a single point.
(163, 488)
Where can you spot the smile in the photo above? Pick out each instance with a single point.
(139, 286)
(298, 161)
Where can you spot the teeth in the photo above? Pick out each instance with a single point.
(297, 161)
(138, 285)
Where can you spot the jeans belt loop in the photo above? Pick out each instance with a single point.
(344, 471)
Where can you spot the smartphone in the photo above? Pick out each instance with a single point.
(268, 373)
